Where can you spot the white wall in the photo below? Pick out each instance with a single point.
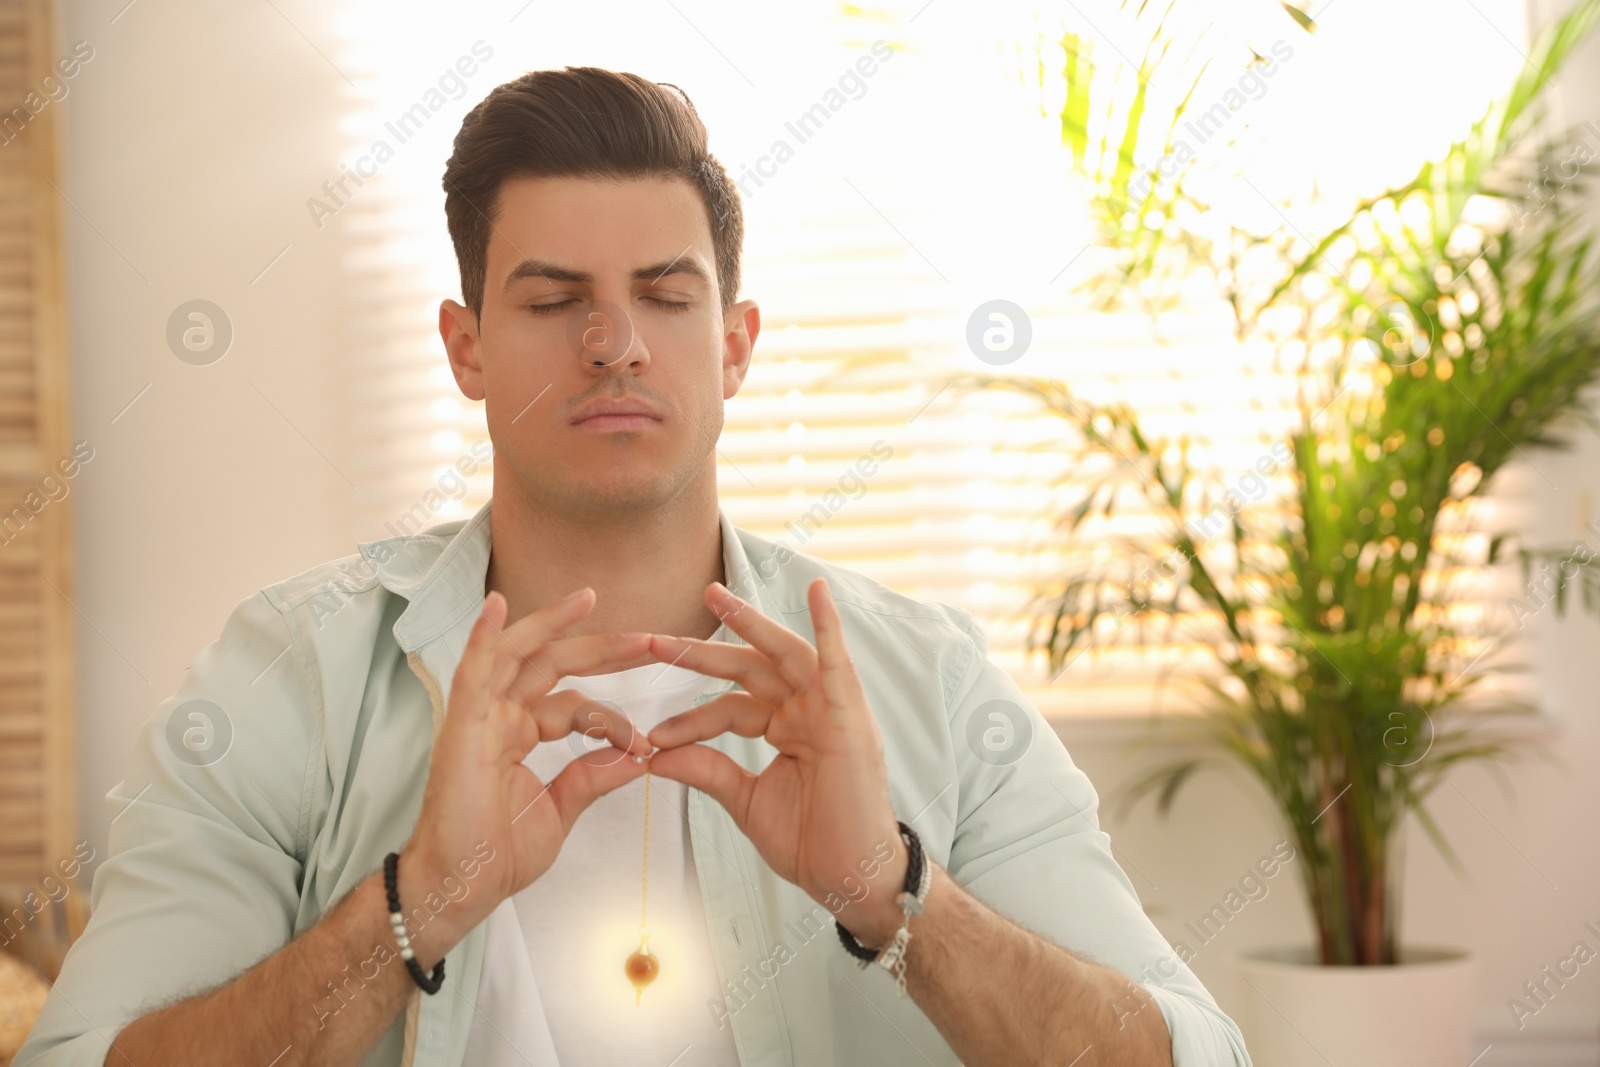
(194, 137)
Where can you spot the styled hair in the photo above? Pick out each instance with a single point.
(581, 122)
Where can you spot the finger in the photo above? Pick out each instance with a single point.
(713, 773)
(540, 720)
(541, 670)
(793, 655)
(585, 780)
(840, 683)
(476, 668)
(535, 628)
(748, 666)
(608, 731)
(739, 713)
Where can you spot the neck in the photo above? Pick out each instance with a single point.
(648, 569)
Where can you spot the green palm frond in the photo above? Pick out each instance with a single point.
(1344, 685)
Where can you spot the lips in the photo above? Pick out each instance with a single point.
(618, 411)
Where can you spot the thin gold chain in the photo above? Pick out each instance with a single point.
(645, 880)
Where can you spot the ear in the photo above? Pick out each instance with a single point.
(458, 326)
(742, 324)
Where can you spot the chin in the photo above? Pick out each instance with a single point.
(611, 490)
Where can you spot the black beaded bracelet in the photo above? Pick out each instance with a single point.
(913, 880)
(397, 920)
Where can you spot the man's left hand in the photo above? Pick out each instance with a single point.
(819, 813)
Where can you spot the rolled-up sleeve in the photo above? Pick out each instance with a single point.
(1028, 842)
(202, 873)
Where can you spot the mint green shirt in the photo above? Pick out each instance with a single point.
(317, 708)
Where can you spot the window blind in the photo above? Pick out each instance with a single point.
(844, 442)
(38, 462)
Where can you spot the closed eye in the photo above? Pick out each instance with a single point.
(551, 309)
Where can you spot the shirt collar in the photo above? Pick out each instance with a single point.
(441, 573)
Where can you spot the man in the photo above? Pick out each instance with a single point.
(468, 692)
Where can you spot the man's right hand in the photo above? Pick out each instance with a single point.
(478, 789)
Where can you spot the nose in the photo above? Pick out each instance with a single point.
(603, 335)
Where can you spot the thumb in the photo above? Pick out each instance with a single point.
(587, 778)
(713, 773)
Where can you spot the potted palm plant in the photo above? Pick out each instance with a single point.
(1448, 328)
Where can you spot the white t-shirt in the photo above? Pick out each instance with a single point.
(553, 991)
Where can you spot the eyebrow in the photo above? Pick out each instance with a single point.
(538, 268)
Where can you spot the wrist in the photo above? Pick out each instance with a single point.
(433, 922)
(872, 915)
(909, 901)
(875, 918)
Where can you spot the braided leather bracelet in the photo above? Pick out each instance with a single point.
(893, 955)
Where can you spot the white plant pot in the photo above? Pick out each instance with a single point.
(1296, 1013)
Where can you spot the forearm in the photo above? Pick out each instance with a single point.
(324, 998)
(1003, 996)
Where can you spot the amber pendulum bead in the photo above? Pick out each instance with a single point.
(642, 966)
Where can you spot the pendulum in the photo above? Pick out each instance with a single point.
(642, 966)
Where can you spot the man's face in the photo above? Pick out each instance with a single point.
(601, 291)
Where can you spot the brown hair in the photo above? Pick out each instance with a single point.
(581, 122)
